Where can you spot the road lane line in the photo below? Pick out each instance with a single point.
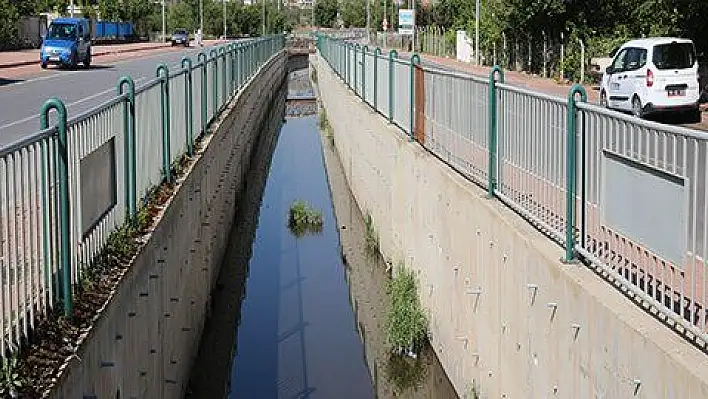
(55, 73)
(91, 97)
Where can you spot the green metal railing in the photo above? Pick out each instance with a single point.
(547, 158)
(47, 238)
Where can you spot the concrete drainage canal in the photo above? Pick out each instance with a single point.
(304, 306)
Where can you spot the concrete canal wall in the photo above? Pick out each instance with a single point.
(145, 342)
(507, 318)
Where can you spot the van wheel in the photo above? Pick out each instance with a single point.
(603, 100)
(637, 109)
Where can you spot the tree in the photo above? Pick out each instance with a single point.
(326, 13)
(181, 15)
(353, 13)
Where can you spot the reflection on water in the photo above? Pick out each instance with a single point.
(302, 315)
(367, 278)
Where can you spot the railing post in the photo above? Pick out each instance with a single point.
(356, 67)
(189, 106)
(570, 173)
(129, 145)
(415, 60)
(393, 54)
(364, 50)
(215, 82)
(164, 74)
(348, 58)
(222, 54)
(232, 74)
(202, 58)
(377, 53)
(62, 157)
(493, 128)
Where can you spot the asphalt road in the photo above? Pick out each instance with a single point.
(21, 101)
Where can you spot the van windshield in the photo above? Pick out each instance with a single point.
(61, 31)
(674, 56)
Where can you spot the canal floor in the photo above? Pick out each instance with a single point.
(303, 317)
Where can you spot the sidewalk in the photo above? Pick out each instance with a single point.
(11, 59)
(531, 82)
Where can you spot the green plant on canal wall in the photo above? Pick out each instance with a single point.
(302, 219)
(406, 323)
(372, 237)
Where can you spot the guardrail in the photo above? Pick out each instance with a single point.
(65, 189)
(627, 197)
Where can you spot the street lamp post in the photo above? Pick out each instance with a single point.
(476, 35)
(201, 17)
(164, 30)
(223, 2)
(368, 21)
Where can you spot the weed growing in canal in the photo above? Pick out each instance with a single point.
(406, 324)
(324, 122)
(313, 75)
(302, 219)
(372, 237)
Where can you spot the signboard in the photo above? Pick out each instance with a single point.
(406, 21)
(98, 185)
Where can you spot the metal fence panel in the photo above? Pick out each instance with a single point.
(532, 164)
(178, 115)
(196, 100)
(148, 138)
(26, 245)
(675, 286)
(85, 136)
(368, 77)
(382, 86)
(402, 94)
(457, 121)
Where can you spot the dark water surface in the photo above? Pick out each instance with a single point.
(291, 319)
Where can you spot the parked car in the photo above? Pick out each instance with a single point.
(653, 75)
(67, 42)
(180, 36)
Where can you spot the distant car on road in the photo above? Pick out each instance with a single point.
(653, 75)
(67, 42)
(180, 36)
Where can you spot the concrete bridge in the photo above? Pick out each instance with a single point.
(518, 305)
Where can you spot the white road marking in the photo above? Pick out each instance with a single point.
(55, 74)
(91, 97)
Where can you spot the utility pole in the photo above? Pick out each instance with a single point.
(164, 29)
(201, 16)
(223, 2)
(368, 21)
(476, 35)
(71, 8)
(263, 17)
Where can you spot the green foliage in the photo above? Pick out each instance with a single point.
(8, 28)
(303, 220)
(372, 237)
(326, 13)
(181, 15)
(324, 122)
(353, 13)
(10, 380)
(406, 324)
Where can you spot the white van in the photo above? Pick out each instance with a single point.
(653, 75)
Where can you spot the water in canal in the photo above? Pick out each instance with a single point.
(303, 317)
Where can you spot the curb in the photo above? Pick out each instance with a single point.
(97, 54)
